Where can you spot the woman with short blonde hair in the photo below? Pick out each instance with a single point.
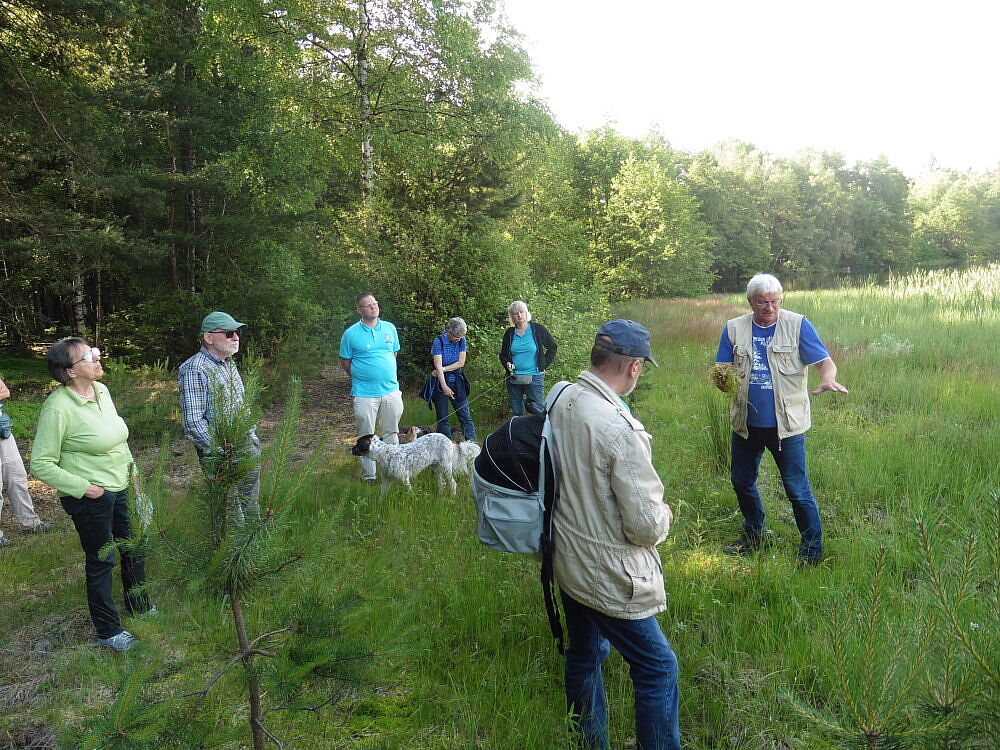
(526, 351)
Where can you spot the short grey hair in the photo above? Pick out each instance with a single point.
(517, 305)
(457, 327)
(763, 283)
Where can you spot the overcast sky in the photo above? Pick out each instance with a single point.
(908, 79)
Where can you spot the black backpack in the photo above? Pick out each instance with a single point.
(515, 488)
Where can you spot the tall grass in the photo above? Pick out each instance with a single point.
(771, 657)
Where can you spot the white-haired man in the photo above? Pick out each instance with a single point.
(212, 374)
(770, 350)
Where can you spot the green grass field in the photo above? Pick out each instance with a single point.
(874, 648)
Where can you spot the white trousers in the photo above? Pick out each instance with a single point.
(384, 411)
(15, 484)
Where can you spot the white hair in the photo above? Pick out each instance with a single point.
(763, 283)
(517, 305)
(457, 327)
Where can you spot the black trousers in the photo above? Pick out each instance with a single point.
(98, 521)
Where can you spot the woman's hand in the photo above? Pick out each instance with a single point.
(448, 392)
(93, 492)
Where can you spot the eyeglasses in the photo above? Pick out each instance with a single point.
(766, 303)
(228, 334)
(91, 355)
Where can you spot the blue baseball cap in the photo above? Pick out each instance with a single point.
(628, 337)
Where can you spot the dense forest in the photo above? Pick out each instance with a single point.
(160, 158)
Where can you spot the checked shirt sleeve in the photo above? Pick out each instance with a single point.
(193, 388)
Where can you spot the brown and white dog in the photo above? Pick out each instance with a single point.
(403, 462)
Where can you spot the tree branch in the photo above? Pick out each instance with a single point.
(38, 109)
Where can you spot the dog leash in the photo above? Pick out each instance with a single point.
(470, 401)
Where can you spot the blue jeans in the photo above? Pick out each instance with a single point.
(531, 396)
(790, 458)
(652, 665)
(461, 405)
(98, 521)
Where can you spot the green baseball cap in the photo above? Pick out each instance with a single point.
(222, 320)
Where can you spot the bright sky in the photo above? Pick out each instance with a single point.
(909, 79)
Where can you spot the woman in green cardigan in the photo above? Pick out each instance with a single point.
(81, 450)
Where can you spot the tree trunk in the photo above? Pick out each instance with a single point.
(253, 683)
(79, 303)
(364, 103)
(98, 308)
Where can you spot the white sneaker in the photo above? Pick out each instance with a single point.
(121, 642)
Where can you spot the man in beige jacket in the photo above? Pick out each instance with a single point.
(609, 518)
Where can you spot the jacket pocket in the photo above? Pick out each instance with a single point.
(642, 574)
(787, 360)
(742, 360)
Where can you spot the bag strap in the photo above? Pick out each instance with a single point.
(550, 491)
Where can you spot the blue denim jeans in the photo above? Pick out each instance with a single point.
(461, 405)
(652, 665)
(98, 521)
(531, 396)
(790, 458)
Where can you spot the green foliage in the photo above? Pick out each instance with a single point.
(131, 719)
(651, 241)
(876, 663)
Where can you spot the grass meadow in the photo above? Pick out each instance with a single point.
(890, 642)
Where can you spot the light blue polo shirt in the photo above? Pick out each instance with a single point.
(373, 361)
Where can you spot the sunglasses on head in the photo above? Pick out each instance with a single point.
(91, 355)
(228, 334)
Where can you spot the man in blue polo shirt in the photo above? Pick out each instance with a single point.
(368, 354)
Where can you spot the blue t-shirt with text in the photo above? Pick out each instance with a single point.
(760, 396)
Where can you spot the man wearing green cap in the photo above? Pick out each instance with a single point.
(201, 379)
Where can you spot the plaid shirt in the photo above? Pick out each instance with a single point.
(195, 380)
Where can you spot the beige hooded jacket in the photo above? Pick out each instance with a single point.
(610, 515)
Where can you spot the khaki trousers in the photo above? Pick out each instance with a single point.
(15, 484)
(385, 411)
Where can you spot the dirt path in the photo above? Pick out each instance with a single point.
(326, 405)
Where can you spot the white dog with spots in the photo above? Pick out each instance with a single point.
(403, 462)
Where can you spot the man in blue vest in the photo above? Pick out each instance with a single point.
(770, 350)
(368, 354)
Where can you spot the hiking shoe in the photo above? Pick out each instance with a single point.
(747, 545)
(121, 642)
(39, 528)
(5, 542)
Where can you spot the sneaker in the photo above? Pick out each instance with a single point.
(151, 612)
(121, 642)
(39, 528)
(747, 545)
(368, 480)
(5, 542)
